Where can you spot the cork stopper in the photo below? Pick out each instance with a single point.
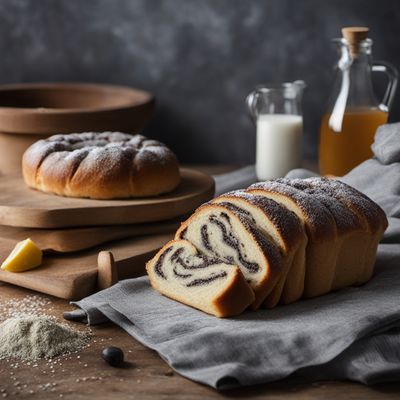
(354, 35)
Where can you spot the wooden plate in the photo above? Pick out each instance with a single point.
(24, 207)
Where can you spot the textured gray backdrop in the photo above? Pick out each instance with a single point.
(199, 57)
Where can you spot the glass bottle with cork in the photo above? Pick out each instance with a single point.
(348, 127)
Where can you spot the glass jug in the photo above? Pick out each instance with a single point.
(348, 127)
(276, 111)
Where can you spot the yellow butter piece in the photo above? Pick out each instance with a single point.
(26, 255)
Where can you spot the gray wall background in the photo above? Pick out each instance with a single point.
(199, 57)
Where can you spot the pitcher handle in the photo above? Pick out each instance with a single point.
(251, 102)
(392, 75)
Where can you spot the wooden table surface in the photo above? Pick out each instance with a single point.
(85, 375)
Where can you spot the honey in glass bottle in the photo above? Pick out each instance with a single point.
(348, 127)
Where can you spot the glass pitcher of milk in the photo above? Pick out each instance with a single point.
(276, 111)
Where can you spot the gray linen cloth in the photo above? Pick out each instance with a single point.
(350, 334)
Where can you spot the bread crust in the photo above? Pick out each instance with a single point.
(236, 298)
(285, 222)
(320, 223)
(292, 242)
(322, 247)
(105, 165)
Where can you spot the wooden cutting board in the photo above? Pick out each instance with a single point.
(69, 240)
(24, 207)
(76, 275)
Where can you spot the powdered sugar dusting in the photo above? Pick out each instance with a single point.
(346, 220)
(318, 219)
(79, 145)
(93, 140)
(352, 198)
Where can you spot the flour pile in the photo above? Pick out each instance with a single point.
(31, 337)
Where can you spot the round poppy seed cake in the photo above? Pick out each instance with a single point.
(105, 165)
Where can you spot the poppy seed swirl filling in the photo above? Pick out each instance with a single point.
(158, 266)
(227, 233)
(185, 267)
(183, 273)
(216, 236)
(230, 239)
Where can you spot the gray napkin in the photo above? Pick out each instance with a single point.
(238, 179)
(350, 334)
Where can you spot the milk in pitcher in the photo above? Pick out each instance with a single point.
(279, 144)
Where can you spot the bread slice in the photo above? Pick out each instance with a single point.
(219, 231)
(283, 227)
(178, 271)
(322, 247)
(370, 215)
(351, 257)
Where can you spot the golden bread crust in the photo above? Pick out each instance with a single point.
(103, 165)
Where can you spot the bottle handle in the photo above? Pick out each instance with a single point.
(392, 74)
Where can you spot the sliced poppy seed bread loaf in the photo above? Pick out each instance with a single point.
(272, 243)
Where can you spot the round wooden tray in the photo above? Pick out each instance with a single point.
(24, 207)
